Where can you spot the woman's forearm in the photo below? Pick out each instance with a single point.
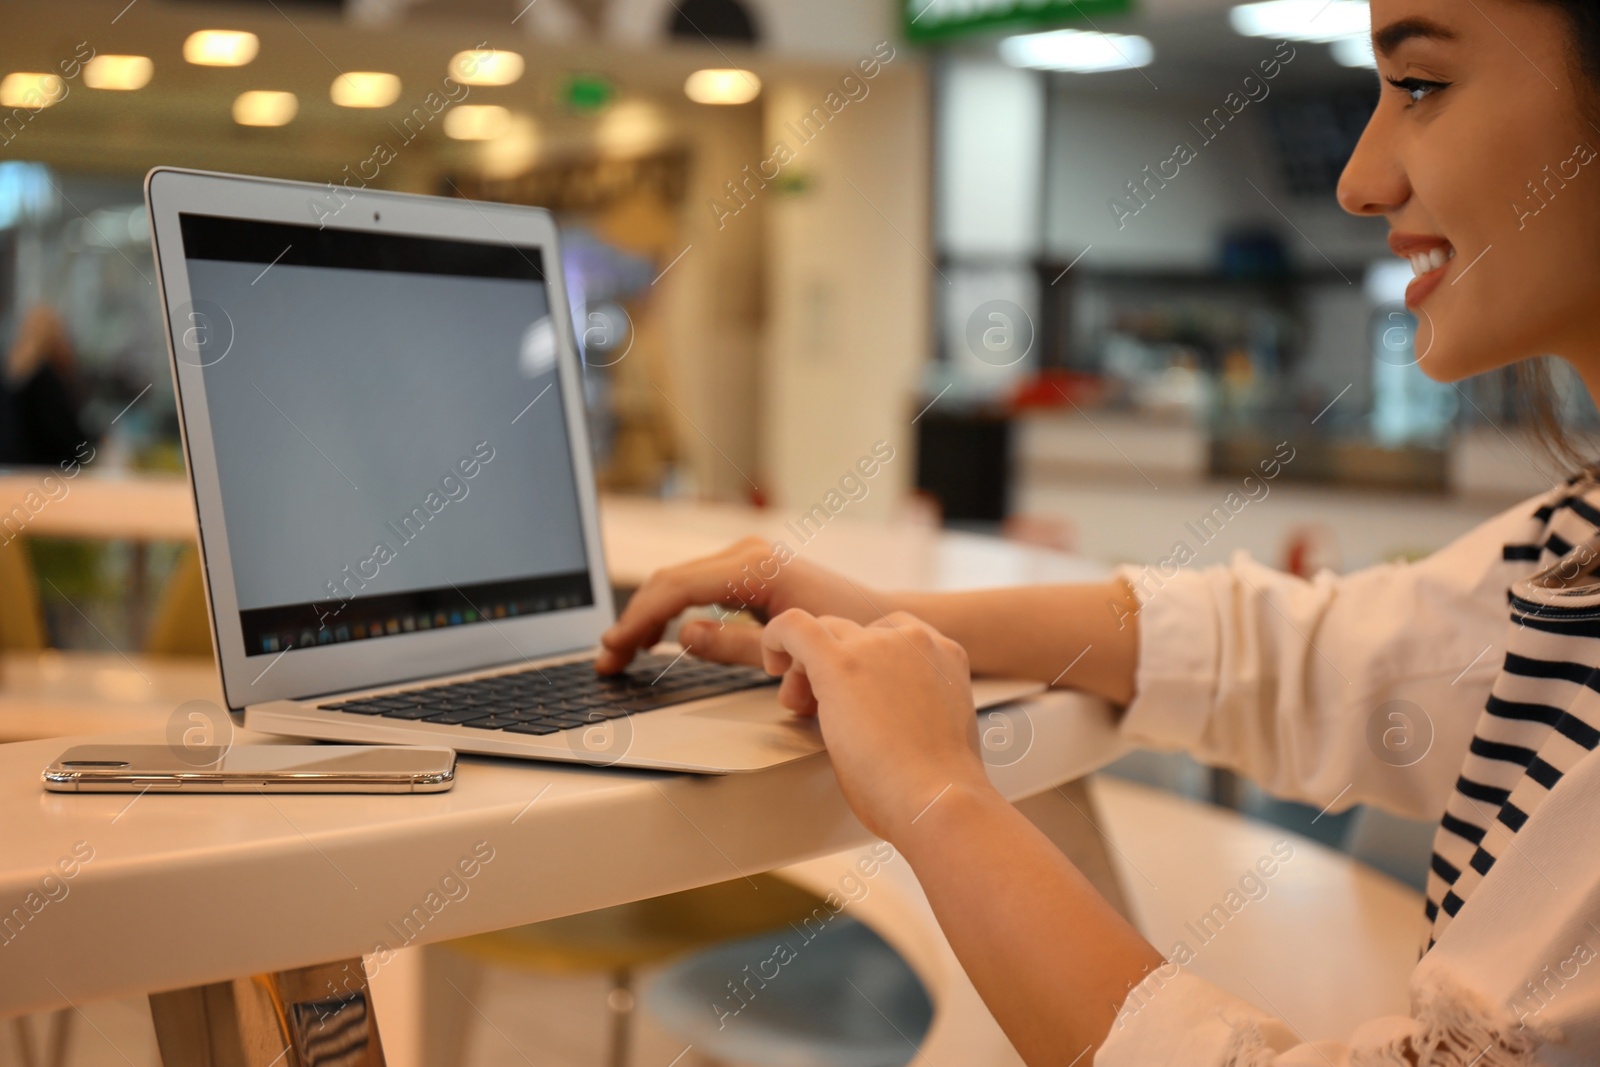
(1050, 957)
(1082, 637)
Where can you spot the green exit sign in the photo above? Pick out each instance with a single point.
(943, 20)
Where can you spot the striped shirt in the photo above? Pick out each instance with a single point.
(1543, 714)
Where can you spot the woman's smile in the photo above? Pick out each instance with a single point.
(1430, 259)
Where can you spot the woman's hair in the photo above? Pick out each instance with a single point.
(1583, 18)
(1531, 377)
(1535, 393)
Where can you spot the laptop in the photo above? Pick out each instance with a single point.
(382, 404)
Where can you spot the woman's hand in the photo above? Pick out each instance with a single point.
(894, 700)
(751, 576)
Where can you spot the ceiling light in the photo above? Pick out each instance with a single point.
(32, 91)
(365, 88)
(513, 152)
(486, 66)
(476, 122)
(221, 48)
(726, 86)
(1303, 20)
(260, 107)
(122, 73)
(631, 128)
(1354, 52)
(1083, 51)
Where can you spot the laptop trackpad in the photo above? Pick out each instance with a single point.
(750, 705)
(761, 705)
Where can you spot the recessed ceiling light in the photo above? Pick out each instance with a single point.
(722, 86)
(1083, 51)
(261, 107)
(486, 66)
(122, 73)
(1303, 20)
(32, 91)
(221, 48)
(476, 122)
(631, 128)
(510, 154)
(365, 88)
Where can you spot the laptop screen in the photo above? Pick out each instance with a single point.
(390, 437)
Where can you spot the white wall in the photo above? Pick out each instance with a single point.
(711, 300)
(989, 159)
(847, 288)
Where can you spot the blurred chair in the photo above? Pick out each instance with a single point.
(614, 941)
(21, 618)
(843, 999)
(180, 626)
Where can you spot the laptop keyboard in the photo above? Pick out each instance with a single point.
(547, 700)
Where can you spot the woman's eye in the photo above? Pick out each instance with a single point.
(1418, 89)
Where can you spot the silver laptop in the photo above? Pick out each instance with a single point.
(382, 406)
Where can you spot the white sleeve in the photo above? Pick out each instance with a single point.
(1327, 689)
(1514, 981)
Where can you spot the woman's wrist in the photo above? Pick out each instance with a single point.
(955, 810)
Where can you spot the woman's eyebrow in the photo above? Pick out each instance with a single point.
(1395, 34)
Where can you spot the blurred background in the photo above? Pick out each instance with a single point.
(1078, 261)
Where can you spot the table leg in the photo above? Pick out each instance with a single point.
(621, 1002)
(1068, 817)
(310, 1017)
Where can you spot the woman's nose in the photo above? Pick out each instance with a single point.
(1374, 181)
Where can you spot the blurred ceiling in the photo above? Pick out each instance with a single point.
(183, 117)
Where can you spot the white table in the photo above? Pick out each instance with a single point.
(186, 891)
(60, 694)
(135, 507)
(641, 534)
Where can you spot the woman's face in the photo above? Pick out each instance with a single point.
(1482, 158)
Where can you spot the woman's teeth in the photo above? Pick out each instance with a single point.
(1427, 262)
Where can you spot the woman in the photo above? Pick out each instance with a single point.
(1278, 677)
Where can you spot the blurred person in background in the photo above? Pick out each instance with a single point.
(39, 423)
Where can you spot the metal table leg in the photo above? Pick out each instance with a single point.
(311, 1017)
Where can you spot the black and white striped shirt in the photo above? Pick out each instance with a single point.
(1543, 714)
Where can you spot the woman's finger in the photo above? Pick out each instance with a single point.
(795, 693)
(722, 643)
(667, 594)
(795, 636)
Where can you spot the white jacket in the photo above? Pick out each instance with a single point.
(1372, 688)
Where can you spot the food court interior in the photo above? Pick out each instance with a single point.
(1075, 268)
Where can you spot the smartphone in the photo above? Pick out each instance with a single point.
(252, 769)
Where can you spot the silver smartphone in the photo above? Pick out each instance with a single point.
(252, 769)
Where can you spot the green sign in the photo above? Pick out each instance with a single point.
(588, 92)
(943, 20)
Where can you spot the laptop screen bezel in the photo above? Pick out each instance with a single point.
(397, 658)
